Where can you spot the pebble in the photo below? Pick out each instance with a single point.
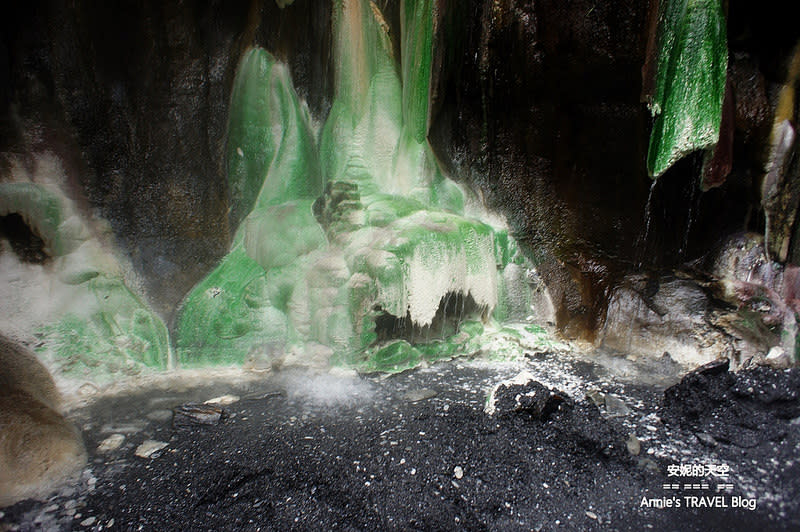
(51, 508)
(591, 515)
(110, 523)
(223, 400)
(633, 445)
(111, 443)
(89, 521)
(149, 447)
(616, 406)
(458, 472)
(706, 439)
(198, 414)
(414, 396)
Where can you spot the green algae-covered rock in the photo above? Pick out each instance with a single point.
(42, 209)
(221, 318)
(386, 240)
(99, 325)
(692, 60)
(112, 331)
(271, 152)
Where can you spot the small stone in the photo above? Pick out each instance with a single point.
(649, 465)
(633, 445)
(458, 472)
(414, 396)
(50, 509)
(111, 443)
(149, 447)
(198, 414)
(778, 359)
(223, 400)
(591, 515)
(89, 521)
(597, 397)
(616, 406)
(110, 523)
(706, 439)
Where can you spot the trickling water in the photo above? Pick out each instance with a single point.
(644, 238)
(692, 207)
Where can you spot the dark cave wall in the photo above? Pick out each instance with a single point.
(536, 106)
(133, 97)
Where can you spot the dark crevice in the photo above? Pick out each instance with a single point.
(28, 245)
(454, 309)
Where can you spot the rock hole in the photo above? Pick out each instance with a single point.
(28, 245)
(454, 309)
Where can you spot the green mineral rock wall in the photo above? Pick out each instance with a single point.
(379, 269)
(99, 327)
(271, 150)
(691, 71)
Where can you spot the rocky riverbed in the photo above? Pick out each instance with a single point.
(592, 443)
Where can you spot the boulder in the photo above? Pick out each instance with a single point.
(39, 448)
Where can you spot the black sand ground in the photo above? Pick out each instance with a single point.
(369, 453)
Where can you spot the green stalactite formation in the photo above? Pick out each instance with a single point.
(692, 59)
(271, 151)
(386, 242)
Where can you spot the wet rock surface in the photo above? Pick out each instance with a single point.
(354, 453)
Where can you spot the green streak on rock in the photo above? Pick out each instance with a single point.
(417, 21)
(112, 332)
(222, 317)
(690, 81)
(271, 152)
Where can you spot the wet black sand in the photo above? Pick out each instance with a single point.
(362, 453)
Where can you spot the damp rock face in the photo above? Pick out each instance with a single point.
(536, 105)
(92, 322)
(384, 265)
(647, 317)
(38, 447)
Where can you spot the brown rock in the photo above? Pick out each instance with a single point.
(39, 448)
